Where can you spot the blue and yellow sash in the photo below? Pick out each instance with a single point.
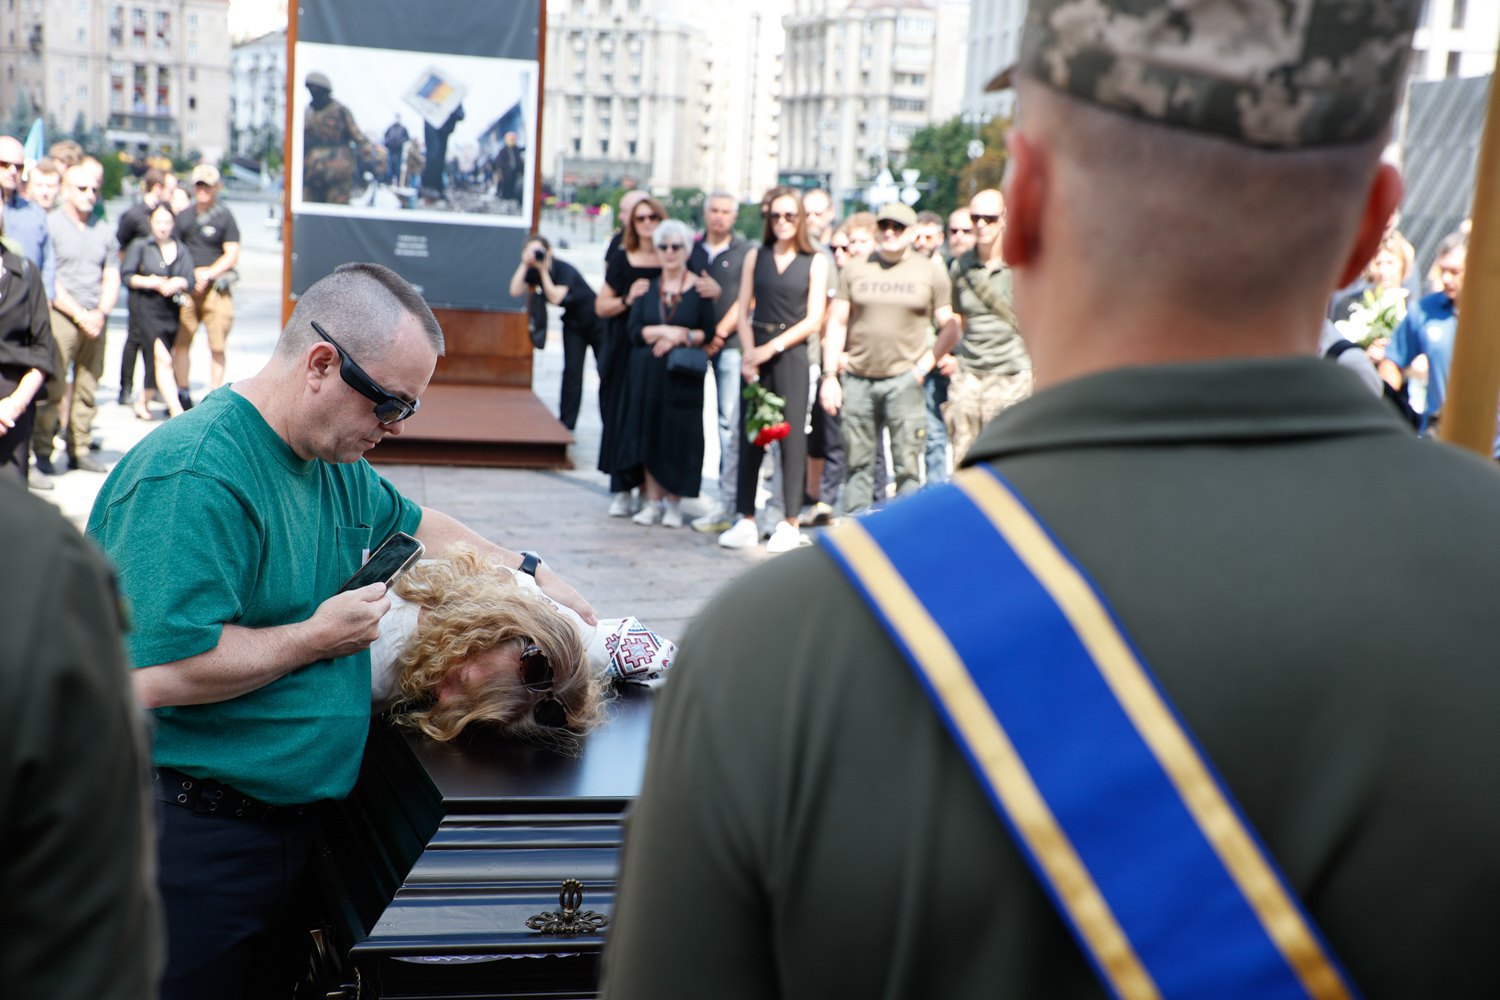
(1130, 829)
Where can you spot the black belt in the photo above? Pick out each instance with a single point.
(207, 797)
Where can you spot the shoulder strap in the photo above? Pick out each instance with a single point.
(985, 294)
(1128, 827)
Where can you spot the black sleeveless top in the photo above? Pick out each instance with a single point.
(780, 299)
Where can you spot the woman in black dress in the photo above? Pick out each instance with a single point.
(26, 354)
(662, 431)
(783, 293)
(627, 276)
(157, 269)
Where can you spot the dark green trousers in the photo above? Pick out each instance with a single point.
(871, 405)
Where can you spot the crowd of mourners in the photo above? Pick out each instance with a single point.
(851, 360)
(885, 340)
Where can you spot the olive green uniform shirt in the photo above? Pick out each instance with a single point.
(991, 343)
(1314, 588)
(77, 885)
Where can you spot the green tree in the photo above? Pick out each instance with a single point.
(749, 223)
(685, 204)
(940, 152)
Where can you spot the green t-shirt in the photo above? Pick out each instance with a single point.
(214, 520)
(991, 342)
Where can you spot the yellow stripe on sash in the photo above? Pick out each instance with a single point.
(1142, 703)
(999, 762)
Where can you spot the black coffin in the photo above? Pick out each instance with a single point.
(428, 872)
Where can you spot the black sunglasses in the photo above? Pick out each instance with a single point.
(389, 408)
(674, 247)
(892, 225)
(782, 216)
(956, 230)
(648, 217)
(988, 220)
(536, 676)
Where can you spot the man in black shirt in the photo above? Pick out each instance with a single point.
(544, 280)
(213, 239)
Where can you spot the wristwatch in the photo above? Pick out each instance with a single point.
(529, 562)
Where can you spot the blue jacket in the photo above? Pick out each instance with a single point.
(27, 225)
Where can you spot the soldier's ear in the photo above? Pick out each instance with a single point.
(1025, 191)
(1383, 197)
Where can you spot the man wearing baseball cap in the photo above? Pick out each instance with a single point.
(877, 351)
(1115, 711)
(213, 238)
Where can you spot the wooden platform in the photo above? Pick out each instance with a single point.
(479, 425)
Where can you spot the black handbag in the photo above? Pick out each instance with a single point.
(689, 362)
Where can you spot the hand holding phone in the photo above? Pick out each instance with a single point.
(394, 556)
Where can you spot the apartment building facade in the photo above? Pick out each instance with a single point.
(153, 75)
(860, 78)
(257, 91)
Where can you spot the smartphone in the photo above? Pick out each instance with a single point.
(395, 556)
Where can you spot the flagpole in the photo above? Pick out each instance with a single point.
(1473, 392)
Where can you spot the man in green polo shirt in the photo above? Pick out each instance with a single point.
(882, 317)
(1188, 182)
(233, 528)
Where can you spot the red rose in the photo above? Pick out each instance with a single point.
(779, 431)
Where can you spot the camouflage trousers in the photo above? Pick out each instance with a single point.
(974, 398)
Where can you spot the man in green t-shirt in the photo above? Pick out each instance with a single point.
(882, 317)
(233, 527)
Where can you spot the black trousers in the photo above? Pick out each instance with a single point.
(786, 376)
(146, 344)
(232, 890)
(578, 339)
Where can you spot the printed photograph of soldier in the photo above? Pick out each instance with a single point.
(389, 134)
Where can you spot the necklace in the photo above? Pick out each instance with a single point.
(671, 299)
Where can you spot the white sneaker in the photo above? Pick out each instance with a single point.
(785, 538)
(671, 517)
(637, 502)
(651, 514)
(619, 505)
(742, 535)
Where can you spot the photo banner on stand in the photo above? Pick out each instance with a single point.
(414, 141)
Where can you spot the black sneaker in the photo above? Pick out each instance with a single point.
(124, 398)
(44, 465)
(184, 399)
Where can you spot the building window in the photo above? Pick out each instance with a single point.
(82, 36)
(192, 104)
(192, 22)
(83, 62)
(1460, 14)
(192, 130)
(138, 91)
(603, 147)
(163, 30)
(137, 28)
(577, 146)
(117, 91)
(192, 50)
(116, 27)
(631, 146)
(163, 90)
(907, 104)
(1453, 64)
(192, 74)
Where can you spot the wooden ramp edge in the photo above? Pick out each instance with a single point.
(474, 425)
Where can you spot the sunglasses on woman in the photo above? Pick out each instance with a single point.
(389, 408)
(536, 676)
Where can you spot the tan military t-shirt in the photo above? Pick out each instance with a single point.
(890, 311)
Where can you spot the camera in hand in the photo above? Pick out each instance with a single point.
(538, 255)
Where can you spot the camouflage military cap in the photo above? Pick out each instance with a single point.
(316, 79)
(1274, 73)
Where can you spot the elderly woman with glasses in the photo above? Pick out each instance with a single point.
(468, 641)
(661, 435)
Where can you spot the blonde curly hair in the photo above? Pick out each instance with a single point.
(470, 606)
